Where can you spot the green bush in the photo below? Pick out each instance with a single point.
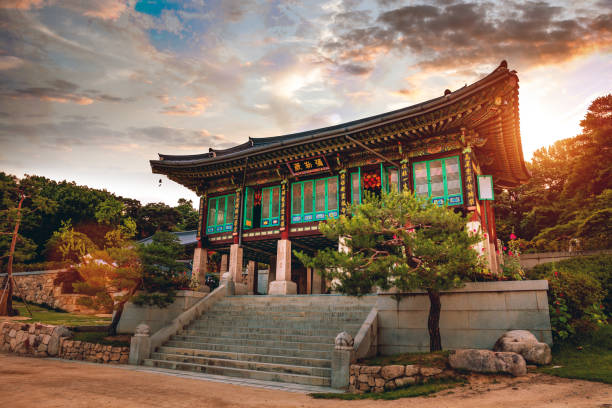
(597, 266)
(576, 296)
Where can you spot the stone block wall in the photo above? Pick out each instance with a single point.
(33, 339)
(474, 316)
(96, 353)
(39, 287)
(41, 340)
(380, 378)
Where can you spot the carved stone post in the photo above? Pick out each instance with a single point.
(341, 360)
(140, 345)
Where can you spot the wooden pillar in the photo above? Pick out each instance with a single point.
(237, 216)
(285, 209)
(309, 281)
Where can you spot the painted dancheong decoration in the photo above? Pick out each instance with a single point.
(265, 197)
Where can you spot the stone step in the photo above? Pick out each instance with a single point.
(256, 335)
(279, 331)
(338, 326)
(225, 304)
(284, 338)
(299, 298)
(245, 364)
(241, 341)
(284, 316)
(280, 318)
(241, 373)
(273, 351)
(263, 358)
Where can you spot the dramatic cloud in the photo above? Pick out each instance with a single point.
(63, 92)
(465, 33)
(86, 87)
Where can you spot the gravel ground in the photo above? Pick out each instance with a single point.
(31, 382)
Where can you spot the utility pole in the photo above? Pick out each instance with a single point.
(6, 298)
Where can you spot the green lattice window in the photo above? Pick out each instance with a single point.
(314, 200)
(220, 214)
(439, 179)
(270, 206)
(389, 179)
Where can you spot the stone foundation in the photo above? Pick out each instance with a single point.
(380, 378)
(41, 340)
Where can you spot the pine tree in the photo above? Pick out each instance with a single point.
(398, 241)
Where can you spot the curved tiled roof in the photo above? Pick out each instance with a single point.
(507, 134)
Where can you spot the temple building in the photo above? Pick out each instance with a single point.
(266, 197)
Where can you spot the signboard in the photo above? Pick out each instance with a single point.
(485, 188)
(308, 166)
(343, 191)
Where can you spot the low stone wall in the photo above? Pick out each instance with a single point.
(528, 261)
(474, 316)
(97, 353)
(39, 287)
(380, 378)
(34, 339)
(40, 340)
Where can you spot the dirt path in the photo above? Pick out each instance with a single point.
(30, 382)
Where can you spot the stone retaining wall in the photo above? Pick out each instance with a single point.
(473, 316)
(39, 287)
(41, 340)
(380, 378)
(97, 353)
(34, 339)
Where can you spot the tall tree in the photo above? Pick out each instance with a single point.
(189, 217)
(569, 180)
(398, 241)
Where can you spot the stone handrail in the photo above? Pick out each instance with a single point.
(366, 340)
(142, 345)
(347, 349)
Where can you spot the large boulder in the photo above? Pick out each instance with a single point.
(526, 344)
(487, 361)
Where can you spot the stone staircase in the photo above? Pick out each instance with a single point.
(271, 338)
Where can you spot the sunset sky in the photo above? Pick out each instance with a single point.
(92, 93)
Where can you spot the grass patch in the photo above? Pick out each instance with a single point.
(102, 338)
(417, 390)
(44, 315)
(437, 359)
(593, 362)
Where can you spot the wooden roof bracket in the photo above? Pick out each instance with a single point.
(372, 151)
